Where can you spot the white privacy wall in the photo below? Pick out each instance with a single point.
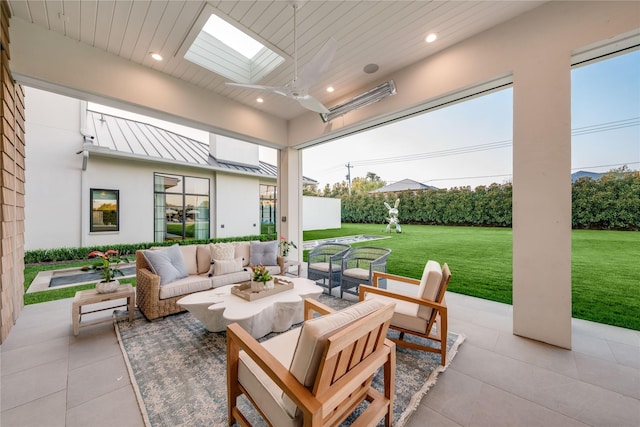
(321, 213)
(53, 170)
(237, 206)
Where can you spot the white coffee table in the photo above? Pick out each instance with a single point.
(218, 308)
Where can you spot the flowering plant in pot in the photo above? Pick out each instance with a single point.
(261, 278)
(107, 265)
(285, 246)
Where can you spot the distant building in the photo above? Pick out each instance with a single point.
(404, 185)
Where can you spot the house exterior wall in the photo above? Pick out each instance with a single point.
(321, 213)
(53, 171)
(58, 207)
(237, 205)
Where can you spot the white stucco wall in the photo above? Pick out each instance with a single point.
(320, 213)
(134, 180)
(53, 170)
(237, 205)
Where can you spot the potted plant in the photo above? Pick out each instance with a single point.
(285, 246)
(261, 279)
(108, 266)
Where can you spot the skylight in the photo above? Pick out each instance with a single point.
(232, 37)
(227, 49)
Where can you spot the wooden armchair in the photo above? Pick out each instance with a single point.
(417, 314)
(315, 375)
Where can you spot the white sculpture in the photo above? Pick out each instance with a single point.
(393, 217)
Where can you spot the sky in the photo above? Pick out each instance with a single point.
(470, 143)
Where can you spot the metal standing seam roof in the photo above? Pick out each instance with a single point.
(136, 139)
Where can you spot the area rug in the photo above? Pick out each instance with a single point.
(178, 370)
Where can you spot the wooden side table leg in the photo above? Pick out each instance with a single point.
(132, 306)
(75, 318)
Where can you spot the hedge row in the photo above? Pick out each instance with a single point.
(611, 203)
(70, 254)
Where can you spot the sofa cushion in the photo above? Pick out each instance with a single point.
(429, 286)
(225, 266)
(185, 286)
(313, 339)
(228, 279)
(243, 250)
(203, 258)
(265, 253)
(222, 251)
(166, 263)
(189, 257)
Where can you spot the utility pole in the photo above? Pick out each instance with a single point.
(349, 166)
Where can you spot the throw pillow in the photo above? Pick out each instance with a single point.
(225, 266)
(166, 263)
(222, 251)
(265, 253)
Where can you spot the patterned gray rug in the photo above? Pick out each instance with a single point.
(178, 370)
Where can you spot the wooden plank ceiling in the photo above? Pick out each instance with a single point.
(388, 33)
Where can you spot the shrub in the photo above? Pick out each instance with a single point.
(124, 249)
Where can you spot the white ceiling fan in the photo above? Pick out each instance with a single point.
(298, 88)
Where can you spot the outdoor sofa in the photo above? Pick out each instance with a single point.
(166, 274)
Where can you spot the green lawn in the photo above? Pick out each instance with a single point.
(605, 273)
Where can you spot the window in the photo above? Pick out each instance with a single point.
(267, 209)
(105, 210)
(181, 207)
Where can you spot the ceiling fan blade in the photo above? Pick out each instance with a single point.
(275, 89)
(319, 65)
(255, 87)
(310, 103)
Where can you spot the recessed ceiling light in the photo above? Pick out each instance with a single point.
(330, 89)
(371, 68)
(431, 38)
(156, 56)
(259, 100)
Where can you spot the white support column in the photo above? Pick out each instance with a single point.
(542, 197)
(289, 206)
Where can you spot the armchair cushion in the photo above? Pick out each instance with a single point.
(404, 314)
(265, 253)
(429, 287)
(320, 266)
(166, 263)
(264, 390)
(313, 339)
(358, 273)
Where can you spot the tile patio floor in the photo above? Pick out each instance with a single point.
(51, 378)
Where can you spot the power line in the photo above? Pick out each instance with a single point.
(579, 131)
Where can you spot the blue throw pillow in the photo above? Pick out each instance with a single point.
(167, 263)
(265, 253)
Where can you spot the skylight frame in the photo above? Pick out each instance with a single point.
(205, 50)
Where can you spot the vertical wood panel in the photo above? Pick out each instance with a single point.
(11, 187)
